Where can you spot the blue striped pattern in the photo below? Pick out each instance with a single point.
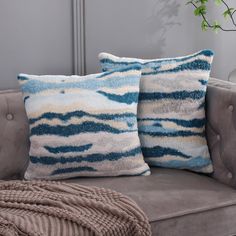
(83, 125)
(171, 110)
(95, 157)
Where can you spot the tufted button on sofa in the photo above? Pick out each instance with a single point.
(14, 129)
(231, 107)
(9, 116)
(221, 129)
(177, 202)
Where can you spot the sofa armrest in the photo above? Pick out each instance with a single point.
(221, 129)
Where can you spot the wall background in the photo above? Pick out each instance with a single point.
(45, 37)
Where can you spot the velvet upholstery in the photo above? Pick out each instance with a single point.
(221, 129)
(178, 202)
(14, 140)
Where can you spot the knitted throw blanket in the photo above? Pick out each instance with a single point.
(41, 208)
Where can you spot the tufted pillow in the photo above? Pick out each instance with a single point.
(171, 112)
(83, 125)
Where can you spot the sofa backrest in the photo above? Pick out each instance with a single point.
(14, 135)
(221, 129)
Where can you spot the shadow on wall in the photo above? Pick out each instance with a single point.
(164, 14)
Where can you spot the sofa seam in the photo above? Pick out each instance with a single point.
(220, 147)
(9, 91)
(186, 213)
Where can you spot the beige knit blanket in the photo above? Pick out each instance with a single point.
(41, 208)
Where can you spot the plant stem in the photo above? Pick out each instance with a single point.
(220, 27)
(230, 14)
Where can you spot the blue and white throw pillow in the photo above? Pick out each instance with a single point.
(83, 125)
(171, 111)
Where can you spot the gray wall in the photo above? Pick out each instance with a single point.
(37, 36)
(151, 29)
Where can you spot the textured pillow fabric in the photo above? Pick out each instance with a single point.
(171, 113)
(83, 125)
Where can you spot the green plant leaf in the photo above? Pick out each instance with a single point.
(204, 25)
(218, 2)
(216, 26)
(228, 12)
(201, 10)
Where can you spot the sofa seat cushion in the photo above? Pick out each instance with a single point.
(177, 202)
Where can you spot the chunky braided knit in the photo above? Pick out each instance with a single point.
(40, 208)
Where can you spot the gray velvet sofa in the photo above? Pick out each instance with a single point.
(177, 202)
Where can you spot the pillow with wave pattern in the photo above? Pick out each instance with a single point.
(83, 125)
(171, 111)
